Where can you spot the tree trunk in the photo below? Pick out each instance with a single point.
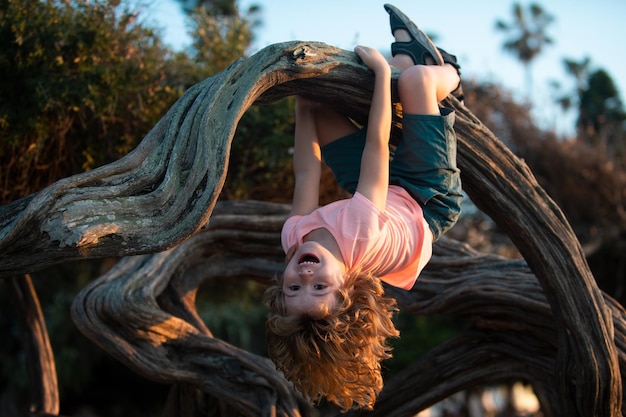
(164, 192)
(41, 369)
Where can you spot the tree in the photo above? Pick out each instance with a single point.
(217, 7)
(551, 326)
(220, 35)
(602, 116)
(81, 82)
(580, 72)
(527, 35)
(601, 112)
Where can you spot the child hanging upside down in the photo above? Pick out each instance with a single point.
(329, 319)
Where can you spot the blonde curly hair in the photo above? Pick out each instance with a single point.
(336, 354)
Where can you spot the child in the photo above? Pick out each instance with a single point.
(329, 319)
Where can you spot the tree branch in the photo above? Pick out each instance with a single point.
(41, 369)
(165, 190)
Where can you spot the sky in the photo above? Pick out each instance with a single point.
(466, 28)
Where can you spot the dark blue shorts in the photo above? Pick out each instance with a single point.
(424, 164)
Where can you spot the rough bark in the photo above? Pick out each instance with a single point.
(513, 334)
(165, 190)
(41, 368)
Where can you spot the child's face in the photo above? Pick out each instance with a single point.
(311, 279)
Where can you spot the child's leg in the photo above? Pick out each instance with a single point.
(340, 141)
(422, 87)
(328, 124)
(425, 160)
(424, 164)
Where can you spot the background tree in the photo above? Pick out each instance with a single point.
(81, 82)
(215, 7)
(527, 35)
(579, 70)
(220, 34)
(602, 116)
(586, 181)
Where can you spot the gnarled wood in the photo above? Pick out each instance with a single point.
(514, 333)
(41, 368)
(164, 191)
(503, 187)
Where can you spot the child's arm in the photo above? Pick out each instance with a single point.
(374, 177)
(306, 160)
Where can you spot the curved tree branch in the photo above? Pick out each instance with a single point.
(165, 190)
(41, 369)
(513, 335)
(503, 187)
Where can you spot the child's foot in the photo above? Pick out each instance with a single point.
(414, 43)
(451, 59)
(419, 47)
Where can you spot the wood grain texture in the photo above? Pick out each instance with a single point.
(550, 323)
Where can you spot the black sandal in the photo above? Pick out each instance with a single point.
(451, 59)
(420, 44)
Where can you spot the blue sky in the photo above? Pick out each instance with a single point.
(464, 27)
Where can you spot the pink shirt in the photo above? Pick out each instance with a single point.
(394, 244)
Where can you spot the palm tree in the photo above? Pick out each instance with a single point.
(579, 70)
(527, 35)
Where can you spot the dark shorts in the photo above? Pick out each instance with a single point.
(424, 164)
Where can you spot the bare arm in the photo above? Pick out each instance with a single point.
(306, 160)
(374, 177)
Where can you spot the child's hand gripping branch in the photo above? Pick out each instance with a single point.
(329, 319)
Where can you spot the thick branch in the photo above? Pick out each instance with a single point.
(502, 186)
(123, 313)
(165, 190)
(42, 376)
(514, 335)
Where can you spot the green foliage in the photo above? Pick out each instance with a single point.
(81, 83)
(225, 304)
(418, 335)
(260, 159)
(601, 113)
(219, 39)
(600, 105)
(215, 7)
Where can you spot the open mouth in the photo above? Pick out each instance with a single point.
(308, 259)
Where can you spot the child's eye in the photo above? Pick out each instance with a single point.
(294, 287)
(319, 286)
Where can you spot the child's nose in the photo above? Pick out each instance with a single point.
(304, 272)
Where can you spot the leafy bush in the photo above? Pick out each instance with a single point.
(82, 82)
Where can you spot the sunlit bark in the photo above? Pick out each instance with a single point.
(552, 326)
